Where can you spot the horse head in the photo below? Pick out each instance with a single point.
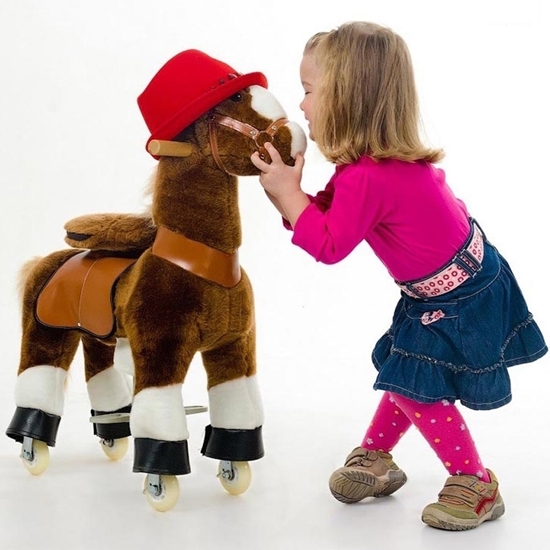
(234, 129)
(214, 122)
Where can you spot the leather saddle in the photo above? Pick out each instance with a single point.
(79, 294)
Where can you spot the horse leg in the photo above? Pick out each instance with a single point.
(46, 355)
(236, 411)
(158, 422)
(108, 388)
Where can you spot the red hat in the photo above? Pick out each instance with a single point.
(186, 87)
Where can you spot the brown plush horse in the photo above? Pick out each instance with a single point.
(168, 285)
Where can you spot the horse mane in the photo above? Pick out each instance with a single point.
(115, 232)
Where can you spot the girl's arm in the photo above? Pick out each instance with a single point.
(282, 183)
(276, 204)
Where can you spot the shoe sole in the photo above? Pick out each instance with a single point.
(439, 519)
(355, 485)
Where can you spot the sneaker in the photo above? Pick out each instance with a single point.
(366, 474)
(464, 503)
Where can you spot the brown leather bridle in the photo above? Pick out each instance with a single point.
(260, 137)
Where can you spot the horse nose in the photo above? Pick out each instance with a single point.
(299, 139)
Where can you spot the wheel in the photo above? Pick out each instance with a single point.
(115, 449)
(235, 477)
(161, 492)
(35, 456)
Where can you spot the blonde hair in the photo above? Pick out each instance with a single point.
(366, 102)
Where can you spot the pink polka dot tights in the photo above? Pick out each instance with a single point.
(441, 425)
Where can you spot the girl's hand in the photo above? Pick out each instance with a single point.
(277, 178)
(282, 183)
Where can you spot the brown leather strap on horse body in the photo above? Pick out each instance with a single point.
(202, 260)
(258, 136)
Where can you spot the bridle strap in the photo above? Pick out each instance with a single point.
(243, 128)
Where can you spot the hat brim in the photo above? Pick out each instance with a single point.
(201, 105)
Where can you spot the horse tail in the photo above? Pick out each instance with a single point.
(24, 274)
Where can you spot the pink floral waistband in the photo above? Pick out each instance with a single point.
(464, 264)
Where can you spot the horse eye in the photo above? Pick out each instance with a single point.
(237, 97)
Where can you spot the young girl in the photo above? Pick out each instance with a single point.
(461, 320)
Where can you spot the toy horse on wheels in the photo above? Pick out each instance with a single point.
(167, 285)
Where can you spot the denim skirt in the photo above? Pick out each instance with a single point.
(474, 333)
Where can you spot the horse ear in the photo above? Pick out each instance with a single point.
(162, 148)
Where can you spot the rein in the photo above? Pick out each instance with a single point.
(260, 137)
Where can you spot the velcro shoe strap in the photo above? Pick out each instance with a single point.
(462, 489)
(360, 455)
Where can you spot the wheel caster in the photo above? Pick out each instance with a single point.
(235, 477)
(35, 455)
(161, 491)
(115, 449)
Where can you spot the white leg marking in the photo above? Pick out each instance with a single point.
(109, 390)
(158, 413)
(123, 359)
(41, 388)
(236, 404)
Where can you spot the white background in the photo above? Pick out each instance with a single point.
(72, 142)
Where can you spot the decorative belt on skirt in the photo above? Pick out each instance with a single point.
(455, 333)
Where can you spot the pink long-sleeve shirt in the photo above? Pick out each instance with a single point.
(405, 211)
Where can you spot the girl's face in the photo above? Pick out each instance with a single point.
(309, 75)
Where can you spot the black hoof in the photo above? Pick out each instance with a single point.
(235, 445)
(152, 456)
(115, 430)
(35, 424)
